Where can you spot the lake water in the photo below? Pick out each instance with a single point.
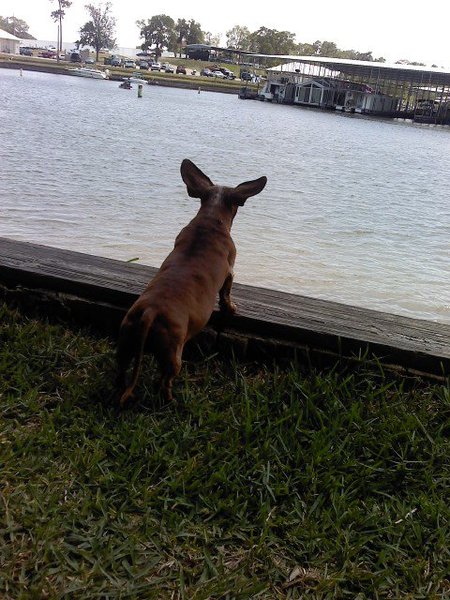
(355, 210)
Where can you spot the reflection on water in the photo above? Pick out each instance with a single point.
(355, 210)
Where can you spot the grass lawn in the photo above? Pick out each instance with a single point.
(255, 483)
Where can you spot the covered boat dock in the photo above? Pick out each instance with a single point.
(382, 89)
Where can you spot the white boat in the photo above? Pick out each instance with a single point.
(135, 78)
(87, 72)
(127, 81)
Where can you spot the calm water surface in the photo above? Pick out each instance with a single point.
(355, 210)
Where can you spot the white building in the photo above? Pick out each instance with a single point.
(9, 43)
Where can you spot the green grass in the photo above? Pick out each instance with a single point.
(255, 483)
(195, 80)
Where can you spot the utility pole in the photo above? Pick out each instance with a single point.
(58, 49)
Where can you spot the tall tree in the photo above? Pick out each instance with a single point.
(100, 30)
(272, 41)
(305, 49)
(213, 39)
(181, 31)
(188, 32)
(317, 46)
(158, 33)
(58, 16)
(238, 38)
(329, 49)
(17, 27)
(195, 34)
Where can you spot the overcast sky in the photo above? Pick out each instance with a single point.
(413, 30)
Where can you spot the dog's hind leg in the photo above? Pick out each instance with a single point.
(171, 369)
(168, 354)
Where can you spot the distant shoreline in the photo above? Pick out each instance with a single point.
(63, 68)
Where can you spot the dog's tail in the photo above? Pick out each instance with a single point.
(144, 327)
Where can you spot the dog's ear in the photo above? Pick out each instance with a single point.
(245, 190)
(197, 183)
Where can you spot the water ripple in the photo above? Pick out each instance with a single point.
(355, 210)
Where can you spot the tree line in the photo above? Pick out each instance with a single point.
(270, 41)
(17, 27)
(162, 32)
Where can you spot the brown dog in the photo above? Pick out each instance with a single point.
(180, 299)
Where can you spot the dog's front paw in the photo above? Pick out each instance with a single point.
(228, 308)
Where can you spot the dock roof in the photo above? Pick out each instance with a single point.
(415, 74)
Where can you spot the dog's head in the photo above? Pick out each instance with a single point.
(223, 198)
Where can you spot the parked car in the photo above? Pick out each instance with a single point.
(47, 54)
(89, 61)
(116, 61)
(228, 74)
(26, 51)
(169, 68)
(155, 66)
(129, 64)
(245, 76)
(143, 64)
(206, 73)
(218, 74)
(148, 54)
(181, 69)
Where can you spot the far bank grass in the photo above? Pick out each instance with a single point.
(255, 483)
(169, 79)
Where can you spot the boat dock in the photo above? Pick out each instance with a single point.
(373, 88)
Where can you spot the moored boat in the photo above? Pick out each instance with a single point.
(136, 78)
(87, 72)
(127, 81)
